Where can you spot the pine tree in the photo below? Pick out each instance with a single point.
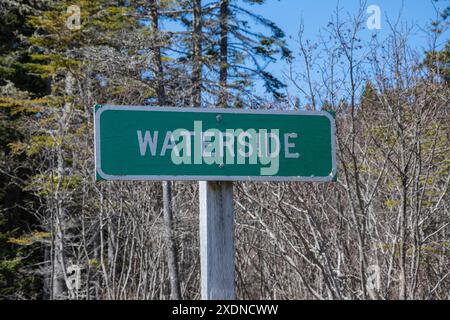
(62, 56)
(20, 94)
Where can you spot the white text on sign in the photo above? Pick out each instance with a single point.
(213, 146)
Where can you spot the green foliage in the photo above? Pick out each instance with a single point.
(27, 240)
(438, 62)
(21, 95)
(45, 185)
(15, 280)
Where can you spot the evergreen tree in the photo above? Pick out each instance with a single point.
(20, 94)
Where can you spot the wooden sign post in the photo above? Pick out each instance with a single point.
(216, 240)
(214, 147)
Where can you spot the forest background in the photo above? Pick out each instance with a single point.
(380, 232)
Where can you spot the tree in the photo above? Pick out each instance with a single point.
(19, 95)
(172, 255)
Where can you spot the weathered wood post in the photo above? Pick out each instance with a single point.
(217, 240)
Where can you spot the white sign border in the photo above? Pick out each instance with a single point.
(99, 109)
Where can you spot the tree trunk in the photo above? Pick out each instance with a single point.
(197, 55)
(402, 246)
(59, 217)
(172, 256)
(223, 76)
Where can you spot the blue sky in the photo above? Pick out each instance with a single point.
(316, 14)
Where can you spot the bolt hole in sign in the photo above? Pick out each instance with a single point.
(165, 143)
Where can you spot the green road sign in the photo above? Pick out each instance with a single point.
(159, 143)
